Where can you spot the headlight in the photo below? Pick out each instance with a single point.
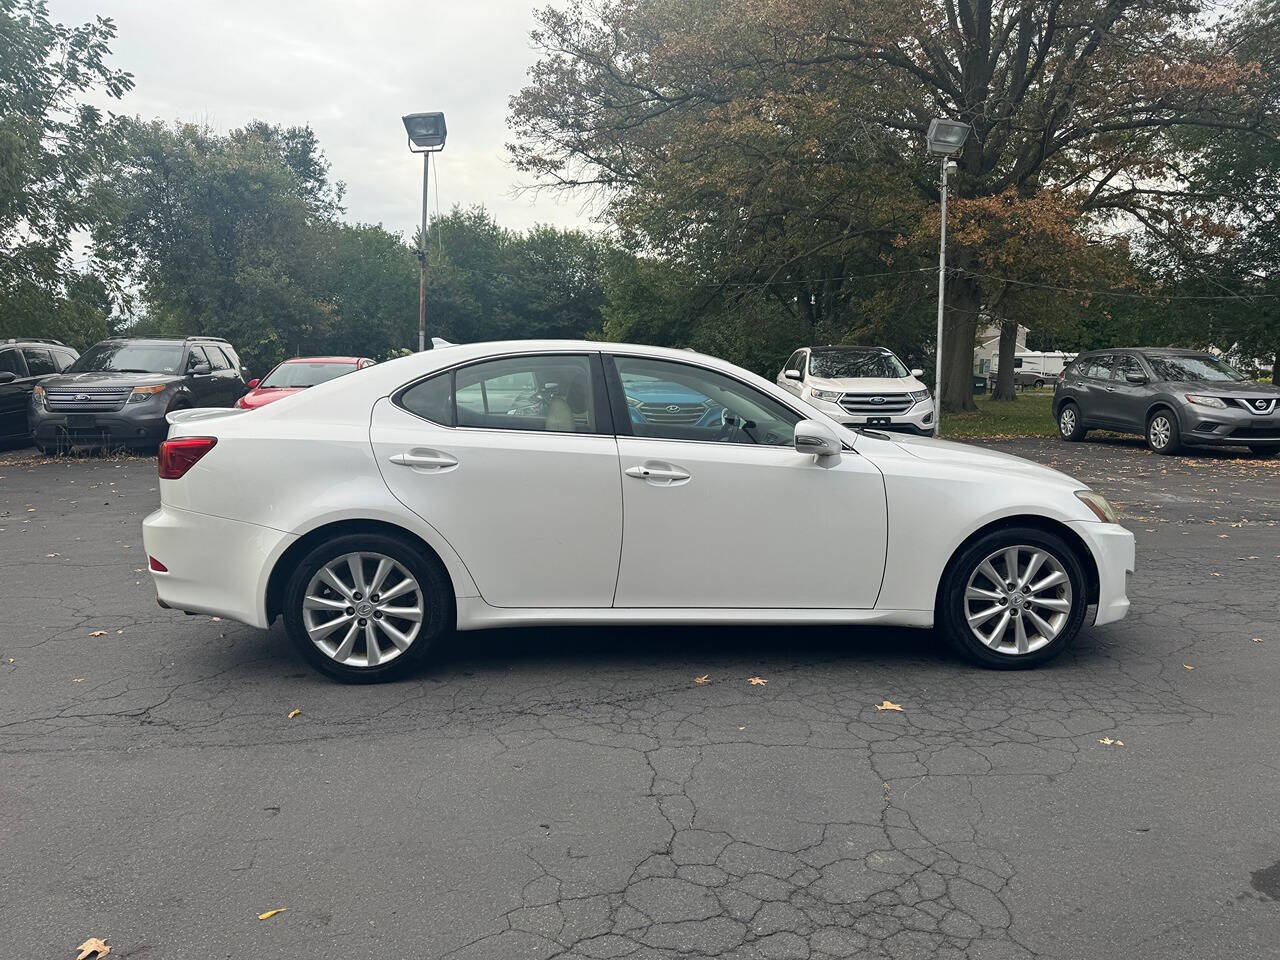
(830, 396)
(1098, 504)
(1215, 402)
(142, 393)
(919, 395)
(37, 395)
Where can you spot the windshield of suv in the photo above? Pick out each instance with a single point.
(129, 357)
(1181, 369)
(855, 363)
(304, 374)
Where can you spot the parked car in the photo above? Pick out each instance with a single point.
(295, 375)
(860, 387)
(120, 391)
(1034, 368)
(23, 364)
(375, 512)
(1172, 397)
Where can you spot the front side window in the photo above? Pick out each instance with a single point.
(1124, 366)
(1184, 369)
(12, 363)
(63, 359)
(295, 374)
(842, 364)
(679, 401)
(127, 357)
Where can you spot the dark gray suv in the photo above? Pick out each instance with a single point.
(1170, 396)
(120, 390)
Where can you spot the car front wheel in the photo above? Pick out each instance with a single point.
(1163, 434)
(1014, 598)
(1070, 423)
(365, 608)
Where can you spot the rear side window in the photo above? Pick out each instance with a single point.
(1099, 367)
(39, 362)
(431, 399)
(217, 358)
(63, 359)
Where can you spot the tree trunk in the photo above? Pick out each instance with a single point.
(1275, 368)
(963, 302)
(1005, 388)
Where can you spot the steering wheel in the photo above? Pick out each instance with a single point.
(729, 427)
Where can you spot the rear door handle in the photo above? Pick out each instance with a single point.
(429, 461)
(657, 473)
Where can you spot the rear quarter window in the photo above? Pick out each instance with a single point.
(431, 399)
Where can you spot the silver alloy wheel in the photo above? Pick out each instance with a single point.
(1018, 599)
(363, 609)
(1067, 421)
(1160, 431)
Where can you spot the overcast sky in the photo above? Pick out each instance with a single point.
(350, 70)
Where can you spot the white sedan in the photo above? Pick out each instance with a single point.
(554, 482)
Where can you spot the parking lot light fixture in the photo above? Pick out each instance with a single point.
(427, 132)
(945, 138)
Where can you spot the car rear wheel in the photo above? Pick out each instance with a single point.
(1070, 423)
(1163, 434)
(365, 608)
(1013, 599)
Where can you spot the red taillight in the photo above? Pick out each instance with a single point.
(156, 565)
(180, 455)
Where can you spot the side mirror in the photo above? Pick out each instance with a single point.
(791, 374)
(252, 383)
(813, 436)
(7, 376)
(917, 372)
(1132, 377)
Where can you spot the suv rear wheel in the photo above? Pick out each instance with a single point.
(1163, 434)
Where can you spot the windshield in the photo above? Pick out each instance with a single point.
(304, 374)
(129, 357)
(838, 364)
(1181, 369)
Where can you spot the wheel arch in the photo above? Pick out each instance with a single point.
(1160, 403)
(289, 559)
(1044, 524)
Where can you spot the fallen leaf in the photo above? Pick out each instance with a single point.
(1187, 666)
(216, 619)
(50, 555)
(1108, 742)
(294, 712)
(705, 678)
(1224, 536)
(77, 679)
(98, 633)
(1258, 640)
(757, 681)
(889, 705)
(268, 915)
(93, 947)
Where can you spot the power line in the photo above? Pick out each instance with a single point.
(1118, 293)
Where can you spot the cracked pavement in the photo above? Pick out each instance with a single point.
(573, 793)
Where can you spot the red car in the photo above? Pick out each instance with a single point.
(298, 374)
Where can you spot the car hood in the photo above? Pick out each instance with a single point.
(663, 393)
(72, 381)
(866, 384)
(261, 397)
(999, 464)
(1216, 388)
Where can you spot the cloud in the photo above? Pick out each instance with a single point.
(350, 70)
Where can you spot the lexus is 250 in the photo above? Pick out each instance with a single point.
(498, 484)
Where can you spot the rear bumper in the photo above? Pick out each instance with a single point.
(1114, 554)
(230, 581)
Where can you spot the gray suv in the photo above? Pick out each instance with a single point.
(119, 391)
(1170, 396)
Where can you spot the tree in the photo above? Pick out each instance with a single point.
(54, 151)
(786, 136)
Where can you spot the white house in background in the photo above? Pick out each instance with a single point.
(987, 355)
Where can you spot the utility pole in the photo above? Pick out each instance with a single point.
(422, 259)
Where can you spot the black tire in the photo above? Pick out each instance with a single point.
(47, 450)
(1264, 450)
(952, 613)
(1071, 422)
(1163, 434)
(1039, 384)
(436, 605)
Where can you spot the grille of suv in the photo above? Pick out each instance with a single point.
(672, 412)
(88, 400)
(1251, 404)
(864, 404)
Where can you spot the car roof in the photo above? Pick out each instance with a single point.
(323, 360)
(849, 348)
(1163, 351)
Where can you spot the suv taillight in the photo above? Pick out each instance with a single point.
(180, 455)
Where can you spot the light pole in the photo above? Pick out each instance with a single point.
(426, 132)
(945, 138)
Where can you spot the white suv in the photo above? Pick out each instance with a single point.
(860, 387)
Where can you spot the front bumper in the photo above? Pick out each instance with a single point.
(120, 428)
(1233, 426)
(1114, 554)
(917, 419)
(230, 581)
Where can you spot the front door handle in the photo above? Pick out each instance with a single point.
(432, 461)
(658, 473)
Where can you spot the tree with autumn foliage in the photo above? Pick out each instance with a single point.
(780, 142)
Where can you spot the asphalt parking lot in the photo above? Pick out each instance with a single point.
(575, 793)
